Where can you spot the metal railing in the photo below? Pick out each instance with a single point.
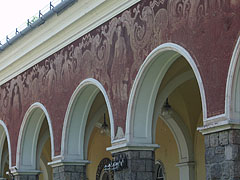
(54, 7)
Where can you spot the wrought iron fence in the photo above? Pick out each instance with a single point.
(54, 6)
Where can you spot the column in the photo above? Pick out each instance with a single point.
(69, 170)
(73, 172)
(222, 154)
(26, 177)
(140, 165)
(186, 170)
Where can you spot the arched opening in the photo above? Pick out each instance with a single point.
(166, 103)
(84, 138)
(5, 151)
(97, 139)
(35, 144)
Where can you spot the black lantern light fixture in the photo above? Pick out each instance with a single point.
(166, 106)
(104, 127)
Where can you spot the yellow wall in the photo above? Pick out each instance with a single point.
(185, 100)
(97, 151)
(46, 152)
(199, 147)
(168, 152)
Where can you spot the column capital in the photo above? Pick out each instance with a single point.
(218, 127)
(132, 147)
(22, 172)
(59, 161)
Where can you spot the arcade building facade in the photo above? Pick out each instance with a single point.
(124, 89)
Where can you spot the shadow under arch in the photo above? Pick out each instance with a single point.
(232, 96)
(73, 135)
(173, 120)
(145, 88)
(3, 135)
(26, 157)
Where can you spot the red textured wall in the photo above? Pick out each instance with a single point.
(113, 53)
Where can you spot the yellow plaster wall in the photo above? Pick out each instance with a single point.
(46, 151)
(97, 151)
(199, 147)
(185, 100)
(168, 152)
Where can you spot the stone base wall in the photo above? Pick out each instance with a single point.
(222, 155)
(26, 177)
(69, 172)
(140, 166)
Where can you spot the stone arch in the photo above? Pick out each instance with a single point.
(26, 157)
(73, 135)
(142, 99)
(3, 136)
(232, 97)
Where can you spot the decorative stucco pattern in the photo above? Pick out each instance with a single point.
(113, 53)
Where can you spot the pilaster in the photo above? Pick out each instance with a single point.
(140, 165)
(222, 154)
(69, 170)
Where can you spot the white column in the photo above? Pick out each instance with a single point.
(186, 170)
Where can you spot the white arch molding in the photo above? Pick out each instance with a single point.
(3, 135)
(72, 146)
(26, 157)
(145, 87)
(232, 96)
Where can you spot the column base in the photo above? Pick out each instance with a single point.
(140, 165)
(69, 172)
(222, 154)
(65, 169)
(25, 174)
(26, 177)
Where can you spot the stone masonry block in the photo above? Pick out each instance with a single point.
(138, 165)
(207, 141)
(232, 152)
(220, 150)
(150, 165)
(55, 170)
(236, 169)
(209, 153)
(70, 172)
(80, 169)
(216, 171)
(26, 177)
(223, 138)
(234, 137)
(132, 154)
(144, 176)
(214, 140)
(146, 155)
(222, 155)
